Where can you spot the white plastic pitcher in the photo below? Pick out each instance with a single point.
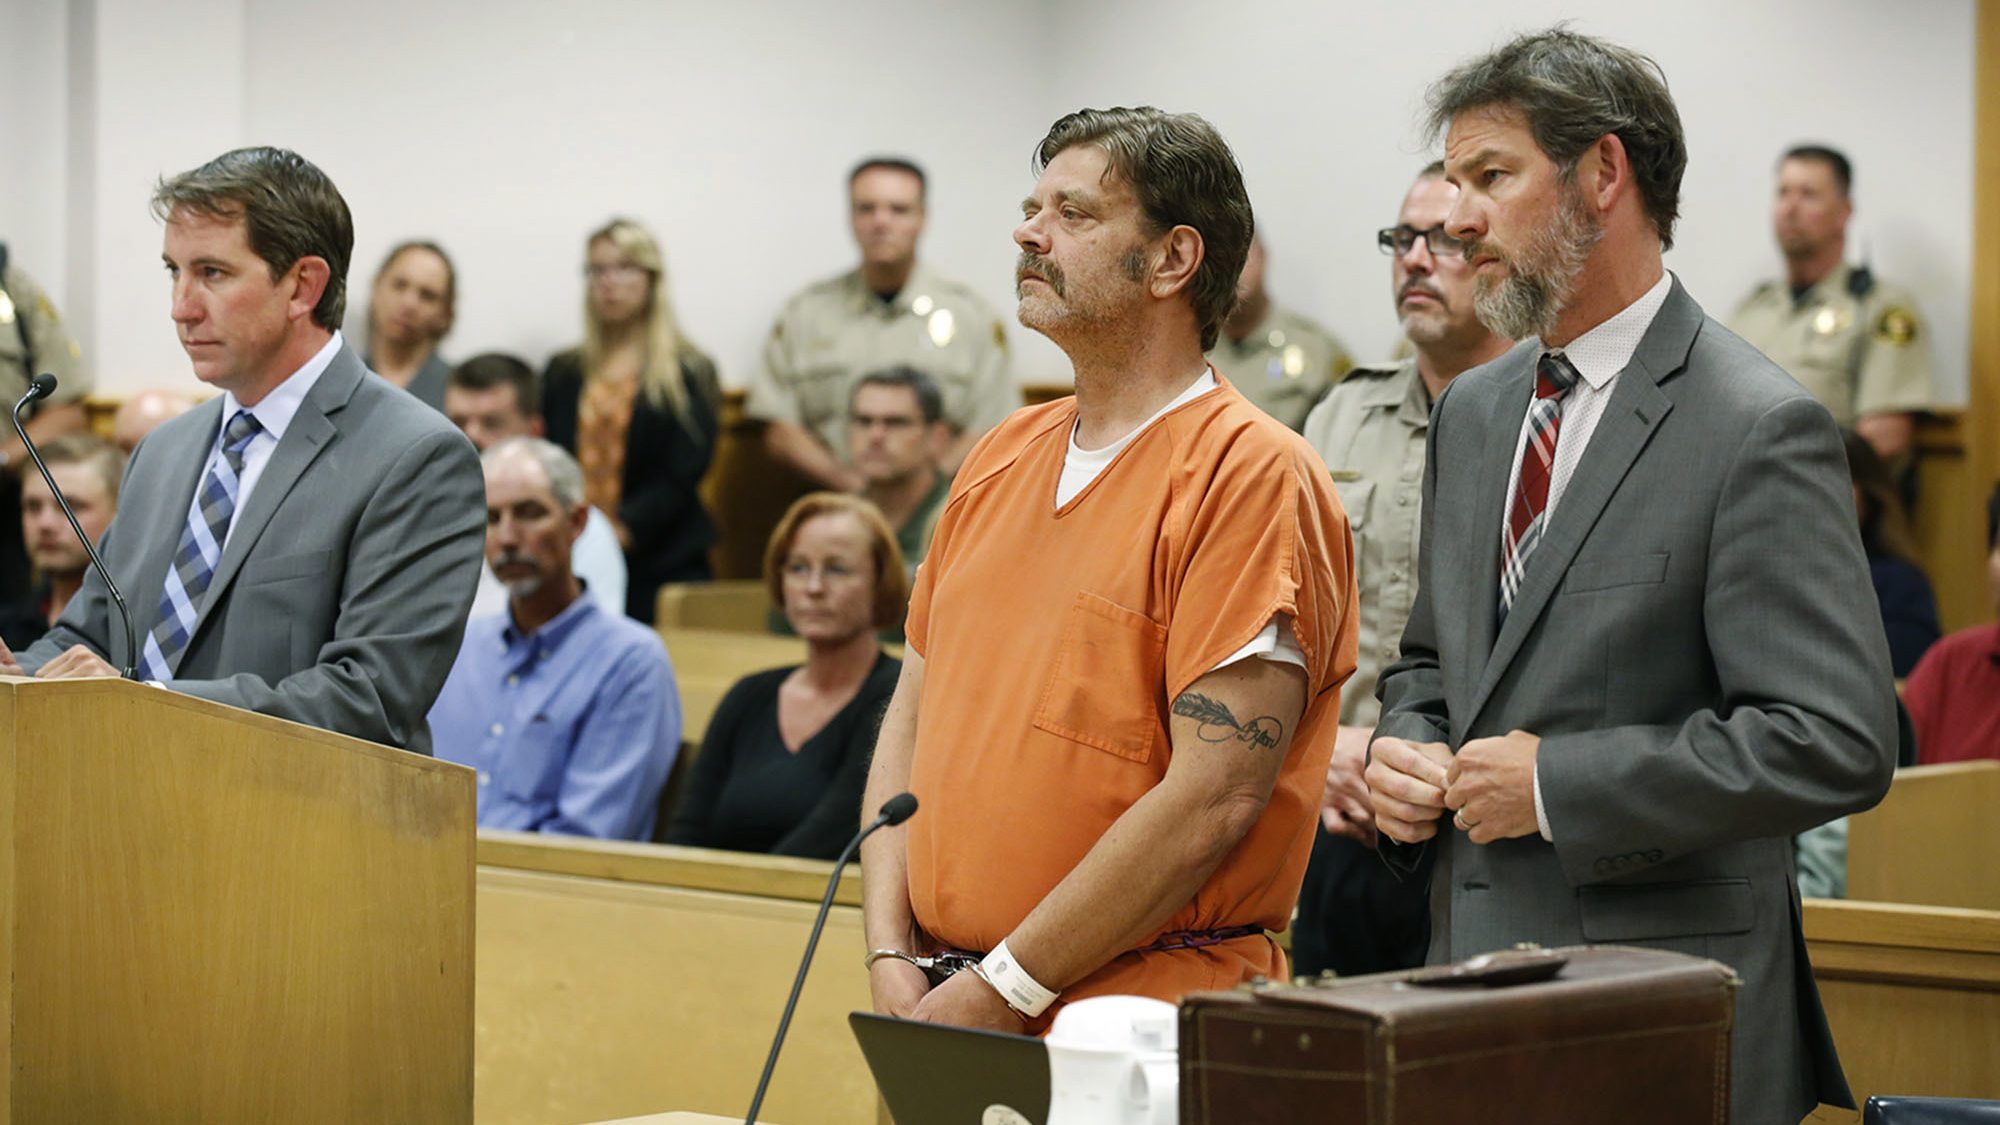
(1114, 1060)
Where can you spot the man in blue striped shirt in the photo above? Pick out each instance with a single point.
(569, 713)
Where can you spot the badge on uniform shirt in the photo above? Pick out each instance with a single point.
(1897, 325)
(941, 325)
(6, 308)
(923, 305)
(1828, 321)
(1295, 361)
(1277, 338)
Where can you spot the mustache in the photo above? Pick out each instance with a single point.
(1419, 285)
(510, 558)
(1033, 263)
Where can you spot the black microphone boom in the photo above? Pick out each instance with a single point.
(42, 387)
(895, 810)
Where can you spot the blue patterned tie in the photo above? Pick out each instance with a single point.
(199, 553)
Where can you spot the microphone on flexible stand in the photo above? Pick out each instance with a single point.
(42, 387)
(895, 810)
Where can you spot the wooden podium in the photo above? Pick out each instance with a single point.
(215, 916)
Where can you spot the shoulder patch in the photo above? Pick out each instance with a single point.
(1897, 325)
(999, 336)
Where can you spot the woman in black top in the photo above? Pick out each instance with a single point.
(637, 405)
(785, 758)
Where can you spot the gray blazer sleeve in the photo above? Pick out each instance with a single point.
(1412, 689)
(1807, 728)
(412, 565)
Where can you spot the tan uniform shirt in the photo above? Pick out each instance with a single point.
(1859, 355)
(23, 303)
(836, 331)
(1284, 365)
(1370, 430)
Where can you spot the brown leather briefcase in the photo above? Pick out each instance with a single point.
(1588, 1035)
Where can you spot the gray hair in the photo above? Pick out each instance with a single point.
(1574, 90)
(565, 475)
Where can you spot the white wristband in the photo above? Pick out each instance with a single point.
(1022, 992)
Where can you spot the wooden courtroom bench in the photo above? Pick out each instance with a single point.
(737, 605)
(1934, 840)
(615, 980)
(1912, 994)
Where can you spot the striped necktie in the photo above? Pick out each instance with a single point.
(200, 551)
(1527, 517)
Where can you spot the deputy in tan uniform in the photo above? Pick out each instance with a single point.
(888, 312)
(1280, 360)
(1354, 917)
(1857, 344)
(33, 340)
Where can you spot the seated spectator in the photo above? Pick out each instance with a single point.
(1954, 693)
(897, 439)
(89, 470)
(637, 404)
(410, 309)
(493, 397)
(143, 413)
(1909, 611)
(785, 758)
(569, 713)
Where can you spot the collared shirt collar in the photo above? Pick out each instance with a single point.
(917, 285)
(1601, 353)
(277, 409)
(550, 636)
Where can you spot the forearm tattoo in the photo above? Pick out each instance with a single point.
(1218, 724)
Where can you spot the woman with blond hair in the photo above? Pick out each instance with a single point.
(636, 403)
(785, 757)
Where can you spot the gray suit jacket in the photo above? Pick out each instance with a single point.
(341, 596)
(1696, 642)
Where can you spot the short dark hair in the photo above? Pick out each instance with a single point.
(1833, 158)
(930, 400)
(498, 369)
(289, 208)
(91, 450)
(898, 163)
(1183, 174)
(1575, 90)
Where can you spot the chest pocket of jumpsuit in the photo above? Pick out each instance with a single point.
(1103, 643)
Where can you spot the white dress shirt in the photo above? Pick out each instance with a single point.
(1598, 356)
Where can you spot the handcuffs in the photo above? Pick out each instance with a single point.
(938, 967)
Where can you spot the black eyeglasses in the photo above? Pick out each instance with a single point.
(1398, 240)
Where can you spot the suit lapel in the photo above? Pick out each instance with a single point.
(310, 432)
(1496, 462)
(183, 462)
(1636, 409)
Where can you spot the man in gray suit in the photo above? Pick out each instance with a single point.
(306, 543)
(1644, 652)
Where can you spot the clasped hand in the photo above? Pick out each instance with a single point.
(1488, 786)
(72, 663)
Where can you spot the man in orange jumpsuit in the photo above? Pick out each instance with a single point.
(1127, 642)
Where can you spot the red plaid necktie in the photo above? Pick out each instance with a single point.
(1527, 516)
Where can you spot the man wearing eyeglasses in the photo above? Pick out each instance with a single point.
(1280, 360)
(1354, 916)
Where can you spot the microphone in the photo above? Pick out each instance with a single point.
(40, 388)
(895, 810)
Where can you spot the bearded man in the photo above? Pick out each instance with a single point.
(1643, 652)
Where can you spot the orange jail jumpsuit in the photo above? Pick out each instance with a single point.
(1054, 641)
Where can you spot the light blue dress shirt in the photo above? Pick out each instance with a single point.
(573, 728)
